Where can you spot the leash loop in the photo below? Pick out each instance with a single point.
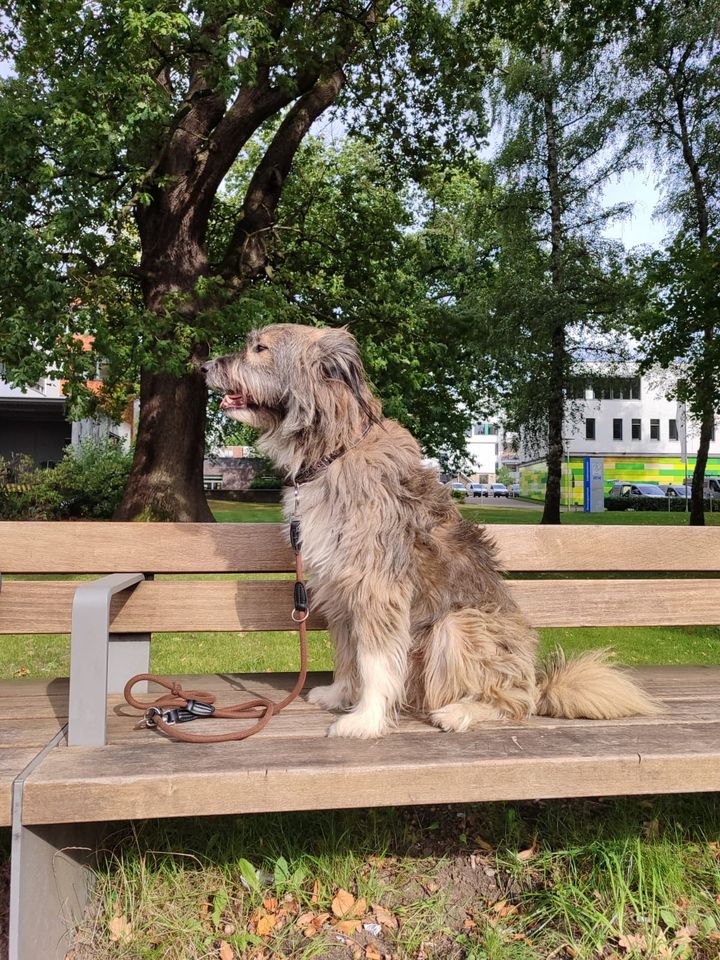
(180, 706)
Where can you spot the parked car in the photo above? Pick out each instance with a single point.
(477, 489)
(515, 490)
(625, 489)
(676, 490)
(455, 485)
(498, 490)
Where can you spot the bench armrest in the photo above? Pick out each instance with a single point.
(89, 657)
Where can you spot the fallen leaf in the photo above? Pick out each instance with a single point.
(304, 919)
(527, 854)
(226, 951)
(633, 943)
(484, 845)
(316, 892)
(343, 903)
(120, 930)
(504, 909)
(360, 907)
(348, 927)
(270, 904)
(22, 672)
(684, 935)
(384, 916)
(265, 925)
(371, 953)
(468, 923)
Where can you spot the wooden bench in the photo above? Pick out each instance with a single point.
(56, 795)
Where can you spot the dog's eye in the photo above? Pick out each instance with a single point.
(259, 347)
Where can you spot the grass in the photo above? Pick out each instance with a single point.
(38, 656)
(227, 511)
(618, 878)
(612, 878)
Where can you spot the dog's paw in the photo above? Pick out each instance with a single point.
(358, 725)
(334, 696)
(459, 717)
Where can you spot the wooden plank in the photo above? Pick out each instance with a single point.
(33, 606)
(29, 732)
(13, 761)
(157, 779)
(615, 603)
(84, 547)
(240, 605)
(529, 548)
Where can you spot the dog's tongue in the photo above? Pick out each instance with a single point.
(232, 400)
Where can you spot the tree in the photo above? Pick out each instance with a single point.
(119, 127)
(672, 64)
(558, 281)
(360, 244)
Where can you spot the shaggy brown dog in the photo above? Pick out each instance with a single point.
(417, 608)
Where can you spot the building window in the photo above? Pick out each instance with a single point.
(712, 433)
(673, 435)
(654, 429)
(617, 429)
(636, 429)
(590, 428)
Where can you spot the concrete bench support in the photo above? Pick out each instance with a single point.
(92, 670)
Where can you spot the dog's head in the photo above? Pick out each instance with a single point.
(304, 385)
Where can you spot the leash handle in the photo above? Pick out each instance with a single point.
(180, 706)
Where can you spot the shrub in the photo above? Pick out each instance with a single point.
(88, 483)
(650, 504)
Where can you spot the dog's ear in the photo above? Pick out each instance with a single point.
(339, 361)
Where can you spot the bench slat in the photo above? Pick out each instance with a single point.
(83, 547)
(255, 605)
(129, 782)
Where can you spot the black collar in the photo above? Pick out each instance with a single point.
(313, 472)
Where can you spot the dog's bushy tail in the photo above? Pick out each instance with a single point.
(589, 687)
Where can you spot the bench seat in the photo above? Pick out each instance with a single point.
(291, 765)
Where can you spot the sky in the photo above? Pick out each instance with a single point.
(639, 188)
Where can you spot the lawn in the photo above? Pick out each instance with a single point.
(616, 878)
(226, 511)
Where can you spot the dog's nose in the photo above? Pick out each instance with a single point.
(205, 367)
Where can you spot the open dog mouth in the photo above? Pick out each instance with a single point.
(237, 401)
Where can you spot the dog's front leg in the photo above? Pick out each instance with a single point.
(342, 692)
(381, 633)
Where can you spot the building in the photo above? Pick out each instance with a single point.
(34, 422)
(490, 447)
(629, 422)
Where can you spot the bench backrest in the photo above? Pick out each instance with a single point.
(604, 559)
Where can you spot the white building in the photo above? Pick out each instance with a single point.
(628, 421)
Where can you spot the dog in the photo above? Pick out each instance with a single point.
(416, 604)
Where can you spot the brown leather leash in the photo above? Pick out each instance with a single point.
(181, 706)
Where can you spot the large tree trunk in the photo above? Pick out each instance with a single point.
(555, 418)
(166, 481)
(704, 388)
(556, 398)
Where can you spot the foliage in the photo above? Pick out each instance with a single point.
(358, 245)
(671, 63)
(681, 302)
(656, 504)
(86, 484)
(504, 475)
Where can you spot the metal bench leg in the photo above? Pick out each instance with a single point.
(89, 656)
(128, 654)
(50, 882)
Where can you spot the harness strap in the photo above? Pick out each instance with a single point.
(179, 706)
